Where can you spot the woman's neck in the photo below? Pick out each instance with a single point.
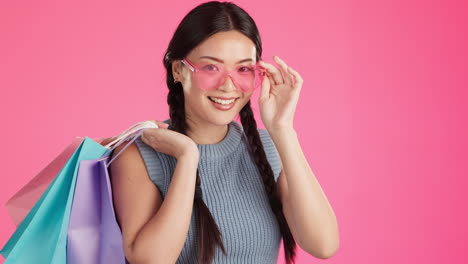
(206, 133)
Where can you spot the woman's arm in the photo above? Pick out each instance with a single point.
(154, 231)
(305, 205)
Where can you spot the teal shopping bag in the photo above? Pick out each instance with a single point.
(41, 238)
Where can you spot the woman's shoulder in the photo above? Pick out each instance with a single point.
(270, 151)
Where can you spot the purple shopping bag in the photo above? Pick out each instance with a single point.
(94, 237)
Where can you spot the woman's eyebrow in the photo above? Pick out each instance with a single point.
(221, 61)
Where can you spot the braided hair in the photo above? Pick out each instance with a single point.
(200, 23)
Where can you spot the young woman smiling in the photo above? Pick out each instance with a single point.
(203, 188)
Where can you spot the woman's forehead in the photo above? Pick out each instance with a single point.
(230, 46)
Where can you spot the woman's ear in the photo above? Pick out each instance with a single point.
(177, 70)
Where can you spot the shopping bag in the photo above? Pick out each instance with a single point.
(22, 201)
(94, 236)
(41, 237)
(19, 205)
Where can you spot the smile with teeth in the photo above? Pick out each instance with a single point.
(220, 101)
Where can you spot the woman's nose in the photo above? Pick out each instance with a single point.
(228, 84)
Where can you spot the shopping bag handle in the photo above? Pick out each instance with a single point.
(129, 131)
(132, 133)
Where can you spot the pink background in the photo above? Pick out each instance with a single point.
(379, 118)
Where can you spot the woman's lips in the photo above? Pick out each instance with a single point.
(223, 107)
(224, 98)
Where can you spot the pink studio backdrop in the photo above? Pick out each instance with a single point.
(379, 118)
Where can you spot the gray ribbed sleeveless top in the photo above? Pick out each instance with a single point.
(234, 193)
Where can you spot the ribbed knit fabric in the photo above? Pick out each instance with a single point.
(234, 193)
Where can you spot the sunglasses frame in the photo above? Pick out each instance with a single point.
(194, 69)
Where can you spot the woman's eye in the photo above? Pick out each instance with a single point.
(210, 67)
(246, 69)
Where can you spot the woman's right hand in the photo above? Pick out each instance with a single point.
(169, 142)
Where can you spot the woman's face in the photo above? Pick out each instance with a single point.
(227, 48)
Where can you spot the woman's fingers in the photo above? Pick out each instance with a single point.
(160, 124)
(298, 79)
(272, 72)
(265, 89)
(288, 79)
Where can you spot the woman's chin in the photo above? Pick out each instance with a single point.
(221, 120)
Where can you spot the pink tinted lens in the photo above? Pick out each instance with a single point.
(205, 82)
(245, 78)
(249, 81)
(207, 76)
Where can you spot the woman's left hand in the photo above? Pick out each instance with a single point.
(279, 95)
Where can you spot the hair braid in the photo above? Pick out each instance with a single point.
(208, 234)
(250, 128)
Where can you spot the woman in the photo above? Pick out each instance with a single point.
(201, 188)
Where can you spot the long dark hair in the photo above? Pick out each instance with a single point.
(199, 24)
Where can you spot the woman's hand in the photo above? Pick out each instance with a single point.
(169, 142)
(279, 95)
